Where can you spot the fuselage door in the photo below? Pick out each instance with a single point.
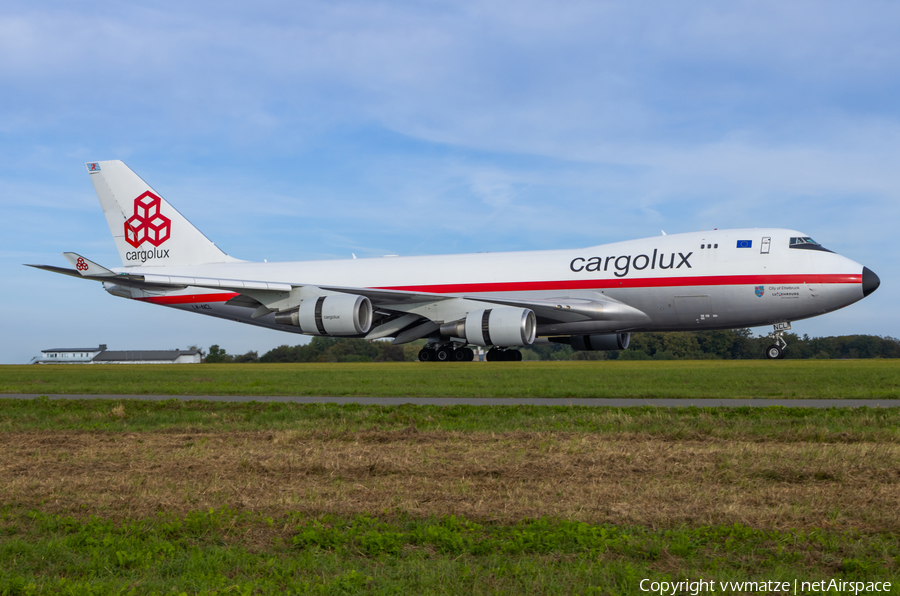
(694, 310)
(764, 246)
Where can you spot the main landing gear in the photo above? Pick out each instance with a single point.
(776, 350)
(498, 355)
(446, 353)
(449, 353)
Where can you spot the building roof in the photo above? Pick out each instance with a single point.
(139, 355)
(99, 348)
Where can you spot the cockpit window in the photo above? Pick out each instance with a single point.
(807, 243)
(803, 240)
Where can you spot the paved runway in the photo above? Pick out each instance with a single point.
(501, 401)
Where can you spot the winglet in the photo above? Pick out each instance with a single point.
(86, 266)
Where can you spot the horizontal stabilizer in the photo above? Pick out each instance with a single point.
(132, 281)
(60, 270)
(86, 267)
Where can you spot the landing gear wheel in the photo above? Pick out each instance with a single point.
(774, 352)
(426, 355)
(495, 355)
(445, 354)
(462, 355)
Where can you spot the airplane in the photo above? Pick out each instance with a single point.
(591, 298)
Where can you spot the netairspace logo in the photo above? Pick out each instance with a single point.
(701, 586)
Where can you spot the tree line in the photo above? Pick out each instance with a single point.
(729, 344)
(325, 349)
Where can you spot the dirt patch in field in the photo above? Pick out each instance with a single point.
(504, 476)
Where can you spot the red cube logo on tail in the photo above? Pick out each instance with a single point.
(146, 206)
(147, 224)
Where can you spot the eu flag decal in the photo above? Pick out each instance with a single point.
(745, 243)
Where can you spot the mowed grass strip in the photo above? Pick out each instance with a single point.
(664, 379)
(237, 552)
(147, 497)
(771, 424)
(500, 476)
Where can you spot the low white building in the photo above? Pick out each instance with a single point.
(148, 357)
(69, 355)
(100, 355)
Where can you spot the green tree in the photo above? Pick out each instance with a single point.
(250, 356)
(717, 343)
(217, 354)
(282, 353)
(553, 351)
(351, 350)
(389, 352)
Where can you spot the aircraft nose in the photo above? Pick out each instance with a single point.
(870, 281)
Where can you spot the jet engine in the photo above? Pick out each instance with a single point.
(343, 314)
(503, 327)
(605, 341)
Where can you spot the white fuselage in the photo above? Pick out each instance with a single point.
(691, 281)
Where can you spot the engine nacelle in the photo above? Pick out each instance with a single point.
(504, 327)
(606, 341)
(343, 314)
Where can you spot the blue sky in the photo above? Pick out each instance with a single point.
(310, 130)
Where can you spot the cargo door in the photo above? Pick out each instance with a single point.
(694, 310)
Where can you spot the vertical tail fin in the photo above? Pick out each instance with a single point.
(147, 229)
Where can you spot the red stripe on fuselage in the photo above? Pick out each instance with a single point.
(572, 284)
(646, 282)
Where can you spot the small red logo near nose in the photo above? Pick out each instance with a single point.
(147, 224)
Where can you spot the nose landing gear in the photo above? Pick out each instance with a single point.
(776, 350)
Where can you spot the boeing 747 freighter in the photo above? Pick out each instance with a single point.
(591, 298)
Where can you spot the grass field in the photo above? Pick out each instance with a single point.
(669, 379)
(100, 496)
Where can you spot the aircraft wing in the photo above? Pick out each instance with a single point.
(384, 297)
(275, 296)
(87, 269)
(569, 310)
(549, 310)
